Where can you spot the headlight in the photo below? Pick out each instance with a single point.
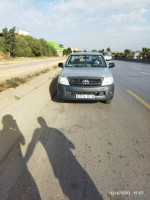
(63, 80)
(108, 81)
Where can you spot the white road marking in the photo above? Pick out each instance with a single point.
(145, 73)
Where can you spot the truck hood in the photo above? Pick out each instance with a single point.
(85, 72)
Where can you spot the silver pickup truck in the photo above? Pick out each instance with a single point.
(86, 76)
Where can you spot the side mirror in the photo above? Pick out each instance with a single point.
(111, 65)
(60, 65)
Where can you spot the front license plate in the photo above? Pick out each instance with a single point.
(85, 96)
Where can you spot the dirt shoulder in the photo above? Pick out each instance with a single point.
(13, 94)
(21, 68)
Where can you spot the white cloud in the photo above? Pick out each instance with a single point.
(137, 28)
(62, 14)
(117, 18)
(92, 19)
(75, 17)
(125, 30)
(133, 16)
(138, 15)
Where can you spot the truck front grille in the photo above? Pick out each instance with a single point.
(85, 82)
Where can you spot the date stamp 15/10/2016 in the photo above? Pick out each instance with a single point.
(115, 193)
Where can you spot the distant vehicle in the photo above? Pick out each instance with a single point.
(108, 56)
(86, 76)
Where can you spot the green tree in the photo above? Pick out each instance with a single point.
(64, 52)
(75, 51)
(9, 40)
(67, 51)
(44, 47)
(121, 55)
(108, 49)
(47, 49)
(103, 51)
(20, 45)
(145, 52)
(34, 44)
(94, 50)
(22, 48)
(2, 45)
(118, 55)
(53, 51)
(127, 53)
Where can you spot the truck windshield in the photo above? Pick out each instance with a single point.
(85, 61)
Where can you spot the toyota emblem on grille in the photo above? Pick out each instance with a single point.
(85, 82)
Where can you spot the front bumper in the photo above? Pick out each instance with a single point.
(101, 93)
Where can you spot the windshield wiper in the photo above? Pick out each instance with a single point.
(97, 66)
(77, 66)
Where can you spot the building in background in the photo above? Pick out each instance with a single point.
(22, 32)
(18, 32)
(59, 48)
(136, 55)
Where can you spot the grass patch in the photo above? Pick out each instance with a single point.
(3, 86)
(30, 76)
(12, 83)
(17, 98)
(15, 82)
(37, 73)
(55, 66)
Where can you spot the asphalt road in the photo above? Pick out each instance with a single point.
(87, 150)
(11, 69)
(134, 77)
(24, 63)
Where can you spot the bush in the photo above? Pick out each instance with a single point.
(22, 48)
(67, 51)
(34, 45)
(2, 45)
(12, 83)
(53, 51)
(47, 49)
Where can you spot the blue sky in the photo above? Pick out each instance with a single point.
(90, 24)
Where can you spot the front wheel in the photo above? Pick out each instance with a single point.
(108, 101)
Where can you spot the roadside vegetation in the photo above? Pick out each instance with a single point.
(68, 51)
(129, 54)
(15, 82)
(144, 54)
(14, 45)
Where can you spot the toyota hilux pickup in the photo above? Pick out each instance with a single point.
(86, 76)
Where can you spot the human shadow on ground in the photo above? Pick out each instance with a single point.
(76, 184)
(24, 186)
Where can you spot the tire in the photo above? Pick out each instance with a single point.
(61, 100)
(108, 101)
